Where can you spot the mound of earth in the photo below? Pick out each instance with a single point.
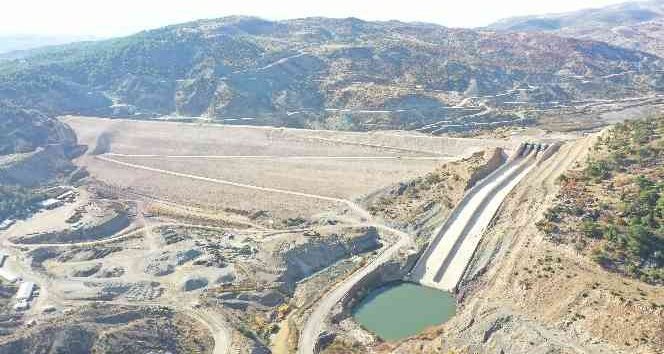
(86, 270)
(101, 220)
(112, 272)
(106, 329)
(166, 263)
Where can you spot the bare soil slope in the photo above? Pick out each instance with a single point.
(283, 172)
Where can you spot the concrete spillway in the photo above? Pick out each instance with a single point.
(445, 260)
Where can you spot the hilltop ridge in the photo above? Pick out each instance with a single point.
(345, 74)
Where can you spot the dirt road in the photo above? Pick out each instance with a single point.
(221, 181)
(350, 204)
(274, 157)
(315, 323)
(221, 332)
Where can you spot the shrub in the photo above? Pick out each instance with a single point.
(598, 170)
(591, 229)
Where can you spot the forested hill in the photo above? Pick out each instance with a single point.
(301, 71)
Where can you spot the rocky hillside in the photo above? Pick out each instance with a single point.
(634, 25)
(24, 130)
(34, 148)
(103, 329)
(339, 73)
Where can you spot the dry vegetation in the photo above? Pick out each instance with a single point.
(613, 207)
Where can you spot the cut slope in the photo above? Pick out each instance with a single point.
(445, 260)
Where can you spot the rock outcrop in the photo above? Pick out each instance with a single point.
(305, 259)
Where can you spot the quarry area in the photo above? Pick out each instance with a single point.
(205, 238)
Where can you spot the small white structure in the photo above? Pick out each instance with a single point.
(25, 291)
(66, 195)
(51, 203)
(49, 309)
(7, 274)
(22, 305)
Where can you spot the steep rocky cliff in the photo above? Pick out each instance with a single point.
(309, 257)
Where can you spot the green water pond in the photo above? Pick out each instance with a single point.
(401, 310)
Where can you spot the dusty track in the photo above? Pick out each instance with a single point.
(545, 182)
(379, 146)
(221, 181)
(316, 320)
(353, 206)
(220, 330)
(274, 157)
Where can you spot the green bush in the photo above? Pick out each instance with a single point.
(591, 229)
(625, 216)
(598, 170)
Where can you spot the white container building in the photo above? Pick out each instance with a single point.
(25, 291)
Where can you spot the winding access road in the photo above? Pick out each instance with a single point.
(445, 260)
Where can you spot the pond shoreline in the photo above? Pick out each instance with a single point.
(399, 309)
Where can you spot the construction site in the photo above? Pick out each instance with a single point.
(258, 239)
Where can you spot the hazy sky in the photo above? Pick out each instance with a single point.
(119, 17)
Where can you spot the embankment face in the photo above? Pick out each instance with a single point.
(255, 169)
